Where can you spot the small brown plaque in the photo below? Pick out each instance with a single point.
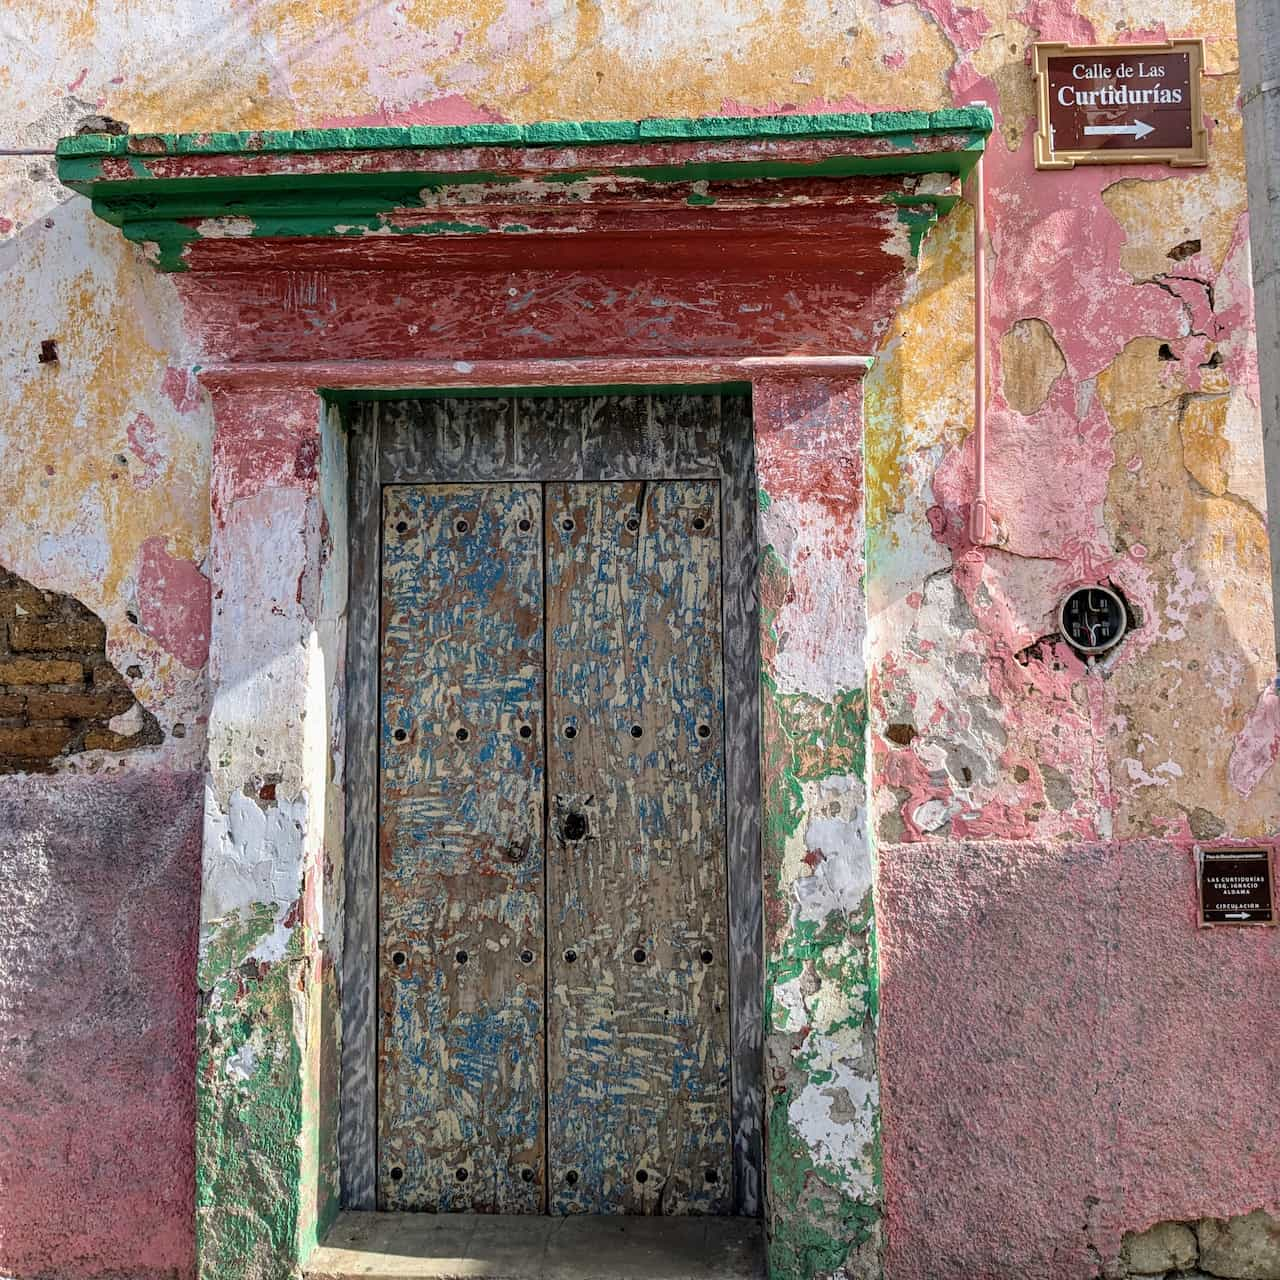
(1236, 886)
(1120, 104)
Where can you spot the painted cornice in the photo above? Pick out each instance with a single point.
(170, 192)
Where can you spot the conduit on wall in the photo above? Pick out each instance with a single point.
(981, 521)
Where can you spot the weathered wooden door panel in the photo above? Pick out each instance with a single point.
(461, 963)
(638, 1026)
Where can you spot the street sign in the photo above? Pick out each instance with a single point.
(1236, 886)
(1120, 104)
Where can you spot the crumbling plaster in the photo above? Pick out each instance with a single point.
(988, 741)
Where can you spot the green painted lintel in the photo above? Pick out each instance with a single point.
(555, 133)
(171, 212)
(306, 194)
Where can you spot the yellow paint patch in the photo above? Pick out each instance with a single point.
(1030, 363)
(71, 419)
(920, 391)
(1164, 213)
(1205, 450)
(1207, 619)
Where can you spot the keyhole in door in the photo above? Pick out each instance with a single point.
(574, 826)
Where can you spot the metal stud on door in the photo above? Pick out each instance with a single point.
(461, 1085)
(638, 1025)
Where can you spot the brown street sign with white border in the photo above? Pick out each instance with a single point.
(1120, 104)
(1236, 886)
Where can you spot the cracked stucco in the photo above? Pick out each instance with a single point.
(1033, 781)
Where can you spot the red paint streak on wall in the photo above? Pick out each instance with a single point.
(173, 603)
(267, 442)
(809, 448)
(144, 444)
(1150, 1050)
(384, 315)
(101, 884)
(182, 389)
(522, 314)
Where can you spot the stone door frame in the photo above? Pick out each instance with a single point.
(279, 428)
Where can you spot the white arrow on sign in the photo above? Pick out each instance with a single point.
(1138, 128)
(1235, 915)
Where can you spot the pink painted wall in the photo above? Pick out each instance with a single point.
(1065, 1056)
(97, 1066)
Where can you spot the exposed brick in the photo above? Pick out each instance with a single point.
(58, 689)
(105, 676)
(77, 706)
(34, 742)
(80, 635)
(41, 671)
(18, 599)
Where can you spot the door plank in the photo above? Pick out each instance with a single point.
(638, 1021)
(738, 514)
(461, 965)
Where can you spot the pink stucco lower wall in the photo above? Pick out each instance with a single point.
(1065, 1056)
(98, 913)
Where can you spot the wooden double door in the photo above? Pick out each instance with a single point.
(553, 949)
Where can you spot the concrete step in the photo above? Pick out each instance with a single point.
(431, 1246)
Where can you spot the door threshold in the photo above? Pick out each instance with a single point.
(455, 1246)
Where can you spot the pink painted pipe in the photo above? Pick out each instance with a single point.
(981, 526)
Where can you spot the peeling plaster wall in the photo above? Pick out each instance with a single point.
(1125, 444)
(821, 1082)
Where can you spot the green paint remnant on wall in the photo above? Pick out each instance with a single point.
(821, 983)
(835, 950)
(804, 739)
(249, 1104)
(814, 1224)
(920, 213)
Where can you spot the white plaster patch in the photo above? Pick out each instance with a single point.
(1247, 474)
(821, 627)
(841, 881)
(1182, 595)
(127, 722)
(931, 815)
(654, 32)
(788, 1006)
(78, 551)
(259, 665)
(1160, 776)
(252, 855)
(241, 1064)
(841, 1142)
(225, 228)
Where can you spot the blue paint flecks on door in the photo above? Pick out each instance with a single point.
(607, 959)
(461, 1087)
